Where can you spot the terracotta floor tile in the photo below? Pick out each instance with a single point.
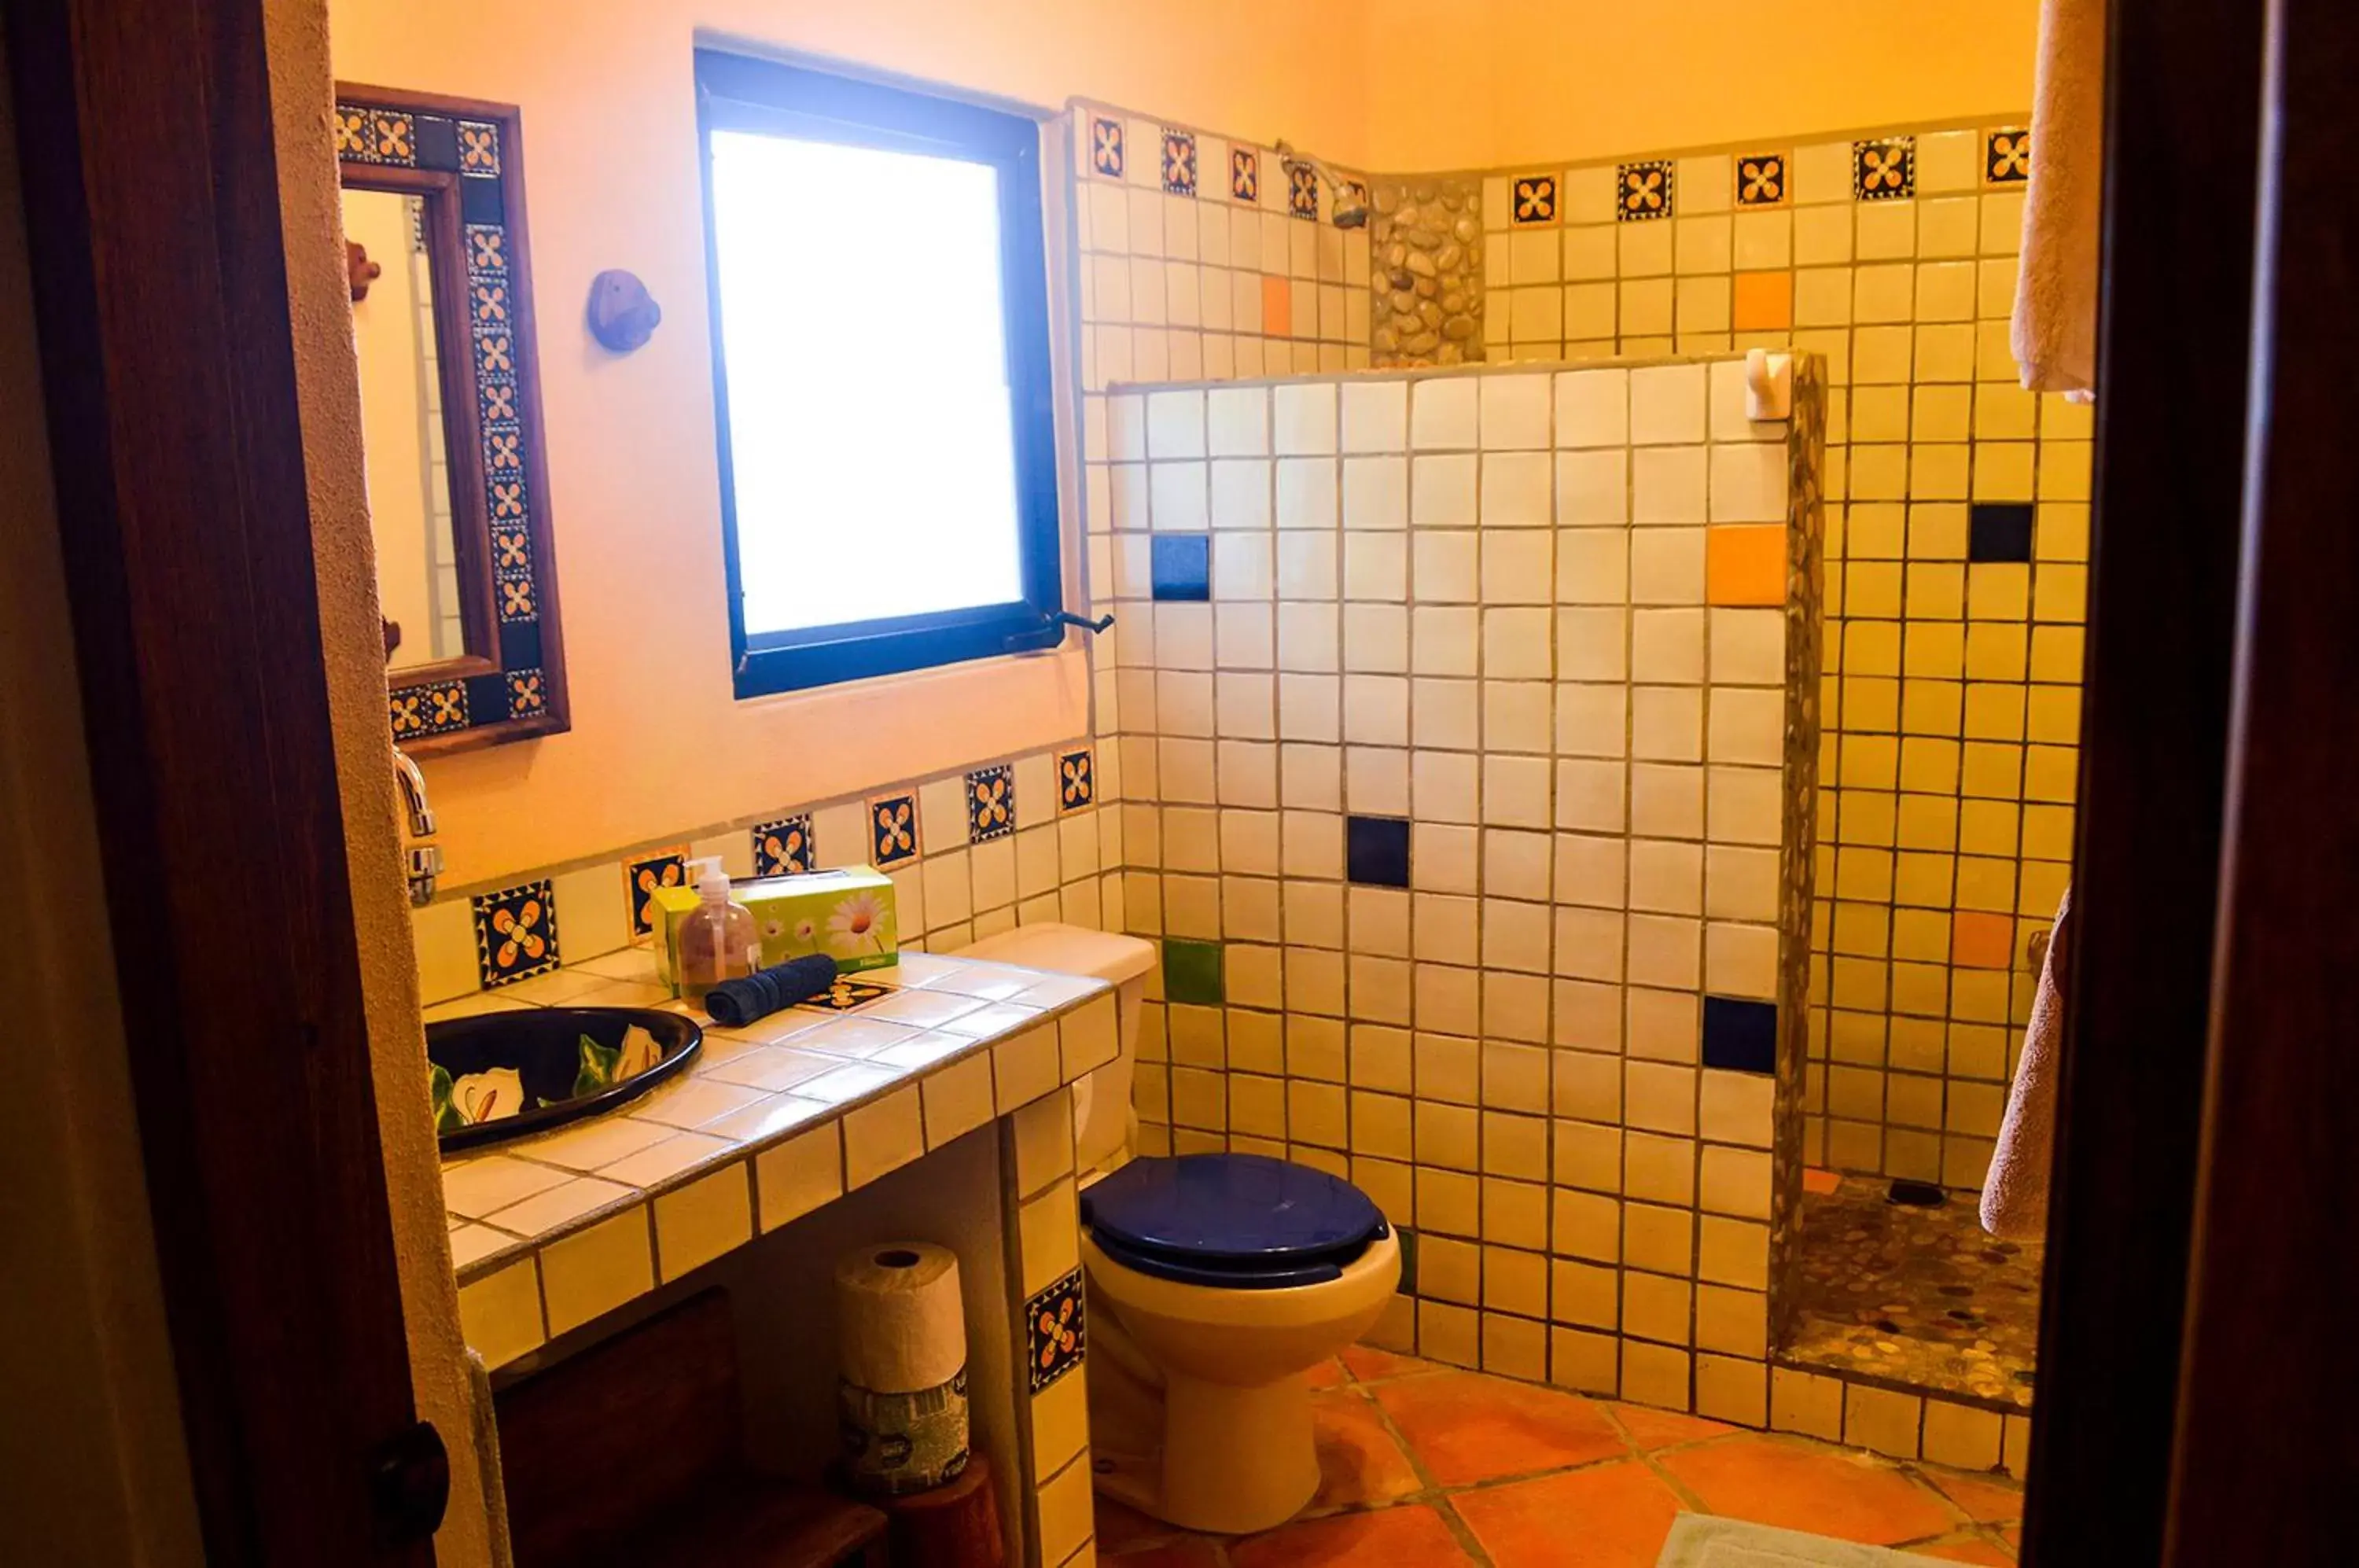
(1466, 1428)
(1411, 1537)
(1653, 1429)
(1359, 1463)
(1327, 1374)
(1770, 1481)
(1979, 1551)
(1190, 1551)
(1613, 1516)
(1119, 1525)
(1987, 1499)
(1366, 1363)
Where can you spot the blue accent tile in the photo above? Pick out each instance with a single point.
(1884, 170)
(642, 876)
(1998, 530)
(1534, 201)
(892, 830)
(1077, 780)
(2006, 156)
(1643, 191)
(783, 847)
(1302, 191)
(516, 933)
(1245, 174)
(1180, 162)
(1180, 566)
(990, 803)
(1053, 1339)
(1761, 180)
(1375, 851)
(1740, 1036)
(1106, 151)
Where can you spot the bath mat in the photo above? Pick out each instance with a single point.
(1698, 1541)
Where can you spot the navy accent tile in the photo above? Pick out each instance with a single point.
(783, 847)
(1054, 1337)
(1761, 180)
(1375, 851)
(1302, 191)
(437, 143)
(1180, 566)
(483, 201)
(516, 933)
(1884, 170)
(1077, 780)
(526, 694)
(1107, 149)
(1739, 1035)
(642, 874)
(1193, 974)
(1998, 530)
(1532, 201)
(351, 127)
(1180, 162)
(1643, 191)
(479, 146)
(892, 830)
(2007, 156)
(990, 803)
(1245, 174)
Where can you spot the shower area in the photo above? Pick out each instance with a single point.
(1612, 820)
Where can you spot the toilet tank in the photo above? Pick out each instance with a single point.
(1102, 1120)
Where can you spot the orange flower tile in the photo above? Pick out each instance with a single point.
(1979, 940)
(1277, 308)
(1652, 1429)
(1394, 1537)
(1765, 301)
(1817, 1181)
(1744, 565)
(1367, 1364)
(1612, 1515)
(1328, 1374)
(1986, 1499)
(1465, 1428)
(1359, 1463)
(1979, 1551)
(1776, 1482)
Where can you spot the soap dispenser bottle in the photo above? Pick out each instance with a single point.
(718, 939)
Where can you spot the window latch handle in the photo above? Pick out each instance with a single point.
(1067, 618)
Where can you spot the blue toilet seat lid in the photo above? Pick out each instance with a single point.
(1240, 1220)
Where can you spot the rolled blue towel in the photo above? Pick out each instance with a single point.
(736, 1002)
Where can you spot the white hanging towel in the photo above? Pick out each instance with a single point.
(2056, 290)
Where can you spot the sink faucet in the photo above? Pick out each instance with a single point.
(423, 862)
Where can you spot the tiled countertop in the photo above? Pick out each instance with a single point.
(771, 1121)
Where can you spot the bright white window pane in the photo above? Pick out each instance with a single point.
(870, 440)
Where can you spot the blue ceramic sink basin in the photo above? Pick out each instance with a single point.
(498, 1076)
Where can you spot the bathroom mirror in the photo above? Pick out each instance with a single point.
(442, 302)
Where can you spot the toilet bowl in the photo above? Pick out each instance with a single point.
(1214, 1282)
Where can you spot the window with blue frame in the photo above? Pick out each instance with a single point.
(881, 376)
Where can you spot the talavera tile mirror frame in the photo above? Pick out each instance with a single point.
(514, 689)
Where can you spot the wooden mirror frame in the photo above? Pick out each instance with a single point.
(465, 157)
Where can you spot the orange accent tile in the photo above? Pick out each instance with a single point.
(1367, 1364)
(1277, 307)
(1817, 1181)
(1979, 940)
(1466, 1428)
(1765, 301)
(1775, 1482)
(1359, 1463)
(1744, 565)
(1392, 1539)
(1985, 1499)
(1612, 1515)
(1652, 1429)
(1981, 1552)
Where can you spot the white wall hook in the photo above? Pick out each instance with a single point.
(1768, 385)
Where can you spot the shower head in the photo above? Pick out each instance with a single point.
(1347, 207)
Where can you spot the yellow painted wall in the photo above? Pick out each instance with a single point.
(1492, 83)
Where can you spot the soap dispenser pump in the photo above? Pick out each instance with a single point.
(719, 939)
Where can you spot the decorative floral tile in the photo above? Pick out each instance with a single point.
(1077, 780)
(1245, 174)
(1106, 151)
(1643, 191)
(847, 994)
(990, 803)
(488, 247)
(479, 146)
(1180, 162)
(428, 710)
(1053, 1331)
(784, 848)
(526, 694)
(1761, 180)
(892, 830)
(1302, 191)
(352, 133)
(2007, 156)
(516, 933)
(642, 874)
(390, 136)
(1884, 170)
(1532, 200)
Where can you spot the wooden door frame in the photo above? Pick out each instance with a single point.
(152, 206)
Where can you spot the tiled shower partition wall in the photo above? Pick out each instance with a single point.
(1466, 726)
(1957, 542)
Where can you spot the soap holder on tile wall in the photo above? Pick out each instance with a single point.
(1768, 385)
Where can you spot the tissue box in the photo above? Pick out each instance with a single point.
(845, 913)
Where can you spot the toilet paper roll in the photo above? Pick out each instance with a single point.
(901, 1347)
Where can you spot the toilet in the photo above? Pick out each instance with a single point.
(1214, 1282)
